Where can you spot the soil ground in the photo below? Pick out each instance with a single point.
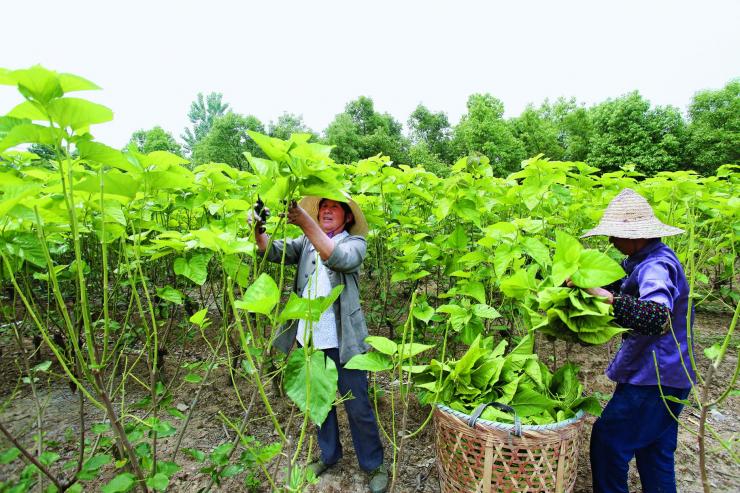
(416, 471)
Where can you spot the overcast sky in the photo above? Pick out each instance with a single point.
(152, 57)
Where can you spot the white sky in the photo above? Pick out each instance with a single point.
(152, 57)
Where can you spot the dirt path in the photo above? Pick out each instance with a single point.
(417, 470)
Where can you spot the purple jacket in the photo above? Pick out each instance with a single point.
(655, 274)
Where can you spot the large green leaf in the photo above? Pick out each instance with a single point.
(29, 133)
(565, 261)
(537, 250)
(195, 269)
(308, 309)
(370, 362)
(170, 294)
(107, 156)
(74, 113)
(311, 383)
(409, 350)
(36, 83)
(382, 344)
(25, 246)
(261, 296)
(528, 401)
(596, 269)
(119, 484)
(114, 183)
(601, 336)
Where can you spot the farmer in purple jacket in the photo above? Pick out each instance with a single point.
(652, 301)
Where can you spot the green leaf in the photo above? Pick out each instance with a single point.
(35, 83)
(158, 482)
(474, 289)
(311, 384)
(589, 404)
(78, 113)
(537, 250)
(8, 456)
(261, 296)
(601, 336)
(528, 402)
(308, 309)
(412, 349)
(713, 351)
(596, 269)
(369, 362)
(565, 261)
(25, 246)
(423, 312)
(102, 154)
(199, 318)
(516, 286)
(485, 311)
(193, 378)
(170, 294)
(382, 344)
(100, 428)
(195, 454)
(71, 83)
(119, 484)
(29, 133)
(42, 367)
(195, 269)
(458, 239)
(91, 467)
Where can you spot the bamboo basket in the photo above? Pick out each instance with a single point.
(476, 455)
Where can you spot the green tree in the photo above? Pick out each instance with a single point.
(227, 141)
(714, 128)
(573, 126)
(360, 132)
(431, 132)
(538, 133)
(627, 130)
(483, 129)
(287, 124)
(156, 139)
(203, 112)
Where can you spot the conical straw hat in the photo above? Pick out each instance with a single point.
(310, 204)
(630, 216)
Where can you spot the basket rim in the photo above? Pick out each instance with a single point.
(510, 426)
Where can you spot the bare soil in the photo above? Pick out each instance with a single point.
(416, 470)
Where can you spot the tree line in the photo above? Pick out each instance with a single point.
(627, 130)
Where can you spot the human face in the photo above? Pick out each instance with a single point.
(332, 217)
(627, 246)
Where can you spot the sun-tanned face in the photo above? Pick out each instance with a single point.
(332, 217)
(628, 246)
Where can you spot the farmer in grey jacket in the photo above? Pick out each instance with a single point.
(328, 254)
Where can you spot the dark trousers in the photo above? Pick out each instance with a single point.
(636, 423)
(362, 424)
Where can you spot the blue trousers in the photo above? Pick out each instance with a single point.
(636, 423)
(362, 424)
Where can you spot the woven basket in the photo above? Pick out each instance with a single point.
(475, 455)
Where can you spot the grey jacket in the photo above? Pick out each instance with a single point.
(344, 268)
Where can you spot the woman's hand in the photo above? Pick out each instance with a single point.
(296, 215)
(600, 292)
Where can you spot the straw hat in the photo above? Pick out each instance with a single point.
(630, 216)
(310, 204)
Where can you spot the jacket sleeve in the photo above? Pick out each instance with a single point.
(347, 255)
(293, 249)
(644, 317)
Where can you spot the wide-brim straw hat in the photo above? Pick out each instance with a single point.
(630, 216)
(310, 204)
